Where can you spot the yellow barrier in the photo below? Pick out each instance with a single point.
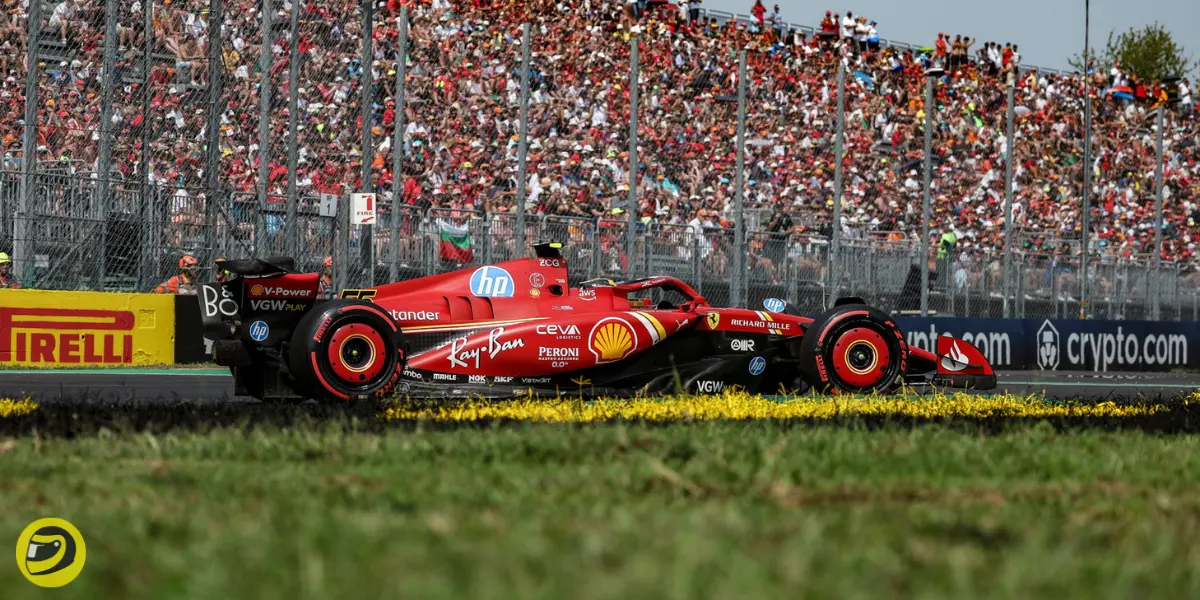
(71, 329)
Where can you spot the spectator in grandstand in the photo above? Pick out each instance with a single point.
(759, 12)
(830, 30)
(861, 30)
(459, 146)
(941, 49)
(779, 25)
(848, 25)
(960, 51)
(64, 17)
(184, 282)
(7, 280)
(829, 24)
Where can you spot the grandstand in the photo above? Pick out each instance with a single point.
(115, 207)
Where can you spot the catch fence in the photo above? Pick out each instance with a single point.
(229, 128)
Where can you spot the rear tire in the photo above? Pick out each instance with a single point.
(854, 349)
(346, 350)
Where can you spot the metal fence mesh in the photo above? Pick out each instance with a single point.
(152, 129)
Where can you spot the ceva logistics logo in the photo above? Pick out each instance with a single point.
(51, 553)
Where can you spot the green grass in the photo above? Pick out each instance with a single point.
(702, 510)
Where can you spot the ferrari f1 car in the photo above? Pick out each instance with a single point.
(517, 327)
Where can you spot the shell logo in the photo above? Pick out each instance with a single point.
(612, 339)
(257, 290)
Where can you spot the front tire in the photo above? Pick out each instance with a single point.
(854, 349)
(346, 350)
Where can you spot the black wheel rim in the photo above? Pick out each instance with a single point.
(861, 356)
(355, 353)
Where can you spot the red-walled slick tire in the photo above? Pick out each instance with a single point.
(346, 350)
(853, 349)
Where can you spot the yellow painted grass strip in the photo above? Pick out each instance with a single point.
(741, 406)
(16, 408)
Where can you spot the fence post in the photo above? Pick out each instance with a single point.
(104, 161)
(398, 144)
(22, 250)
(1009, 149)
(872, 266)
(738, 281)
(485, 225)
(289, 226)
(1178, 316)
(597, 250)
(366, 82)
(150, 260)
(523, 141)
(929, 108)
(789, 270)
(631, 221)
(1087, 190)
(1156, 306)
(212, 168)
(1020, 300)
(835, 236)
(264, 126)
(341, 243)
(429, 250)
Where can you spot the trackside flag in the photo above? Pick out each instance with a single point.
(456, 242)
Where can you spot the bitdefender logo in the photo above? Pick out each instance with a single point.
(1047, 347)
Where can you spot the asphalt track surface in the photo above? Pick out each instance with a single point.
(215, 386)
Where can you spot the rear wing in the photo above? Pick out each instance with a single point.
(254, 267)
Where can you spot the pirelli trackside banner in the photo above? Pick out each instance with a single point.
(71, 329)
(1072, 345)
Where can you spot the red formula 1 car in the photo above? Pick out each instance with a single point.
(517, 327)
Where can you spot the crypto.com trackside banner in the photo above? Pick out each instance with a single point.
(1043, 344)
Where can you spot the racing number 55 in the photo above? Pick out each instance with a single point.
(357, 295)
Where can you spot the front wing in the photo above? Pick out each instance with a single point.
(957, 364)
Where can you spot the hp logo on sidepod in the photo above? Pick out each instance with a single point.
(492, 282)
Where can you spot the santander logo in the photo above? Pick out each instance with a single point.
(954, 360)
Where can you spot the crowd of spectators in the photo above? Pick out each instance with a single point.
(461, 117)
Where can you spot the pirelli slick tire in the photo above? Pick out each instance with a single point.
(346, 350)
(855, 349)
